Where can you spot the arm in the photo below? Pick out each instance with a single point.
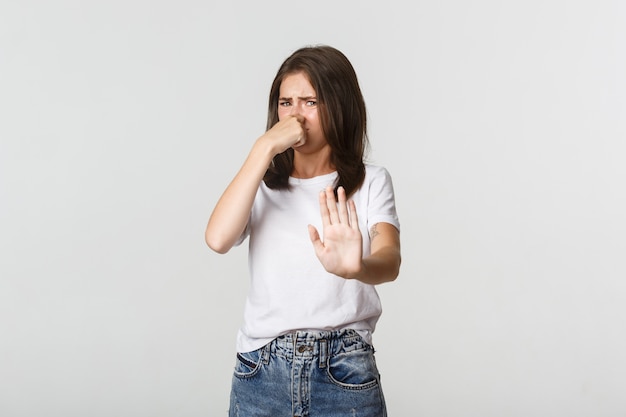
(230, 215)
(383, 264)
(341, 251)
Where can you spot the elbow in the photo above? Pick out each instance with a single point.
(393, 275)
(395, 272)
(216, 243)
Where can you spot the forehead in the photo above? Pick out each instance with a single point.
(296, 84)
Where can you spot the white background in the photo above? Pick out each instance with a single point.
(501, 123)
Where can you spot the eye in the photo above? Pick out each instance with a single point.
(311, 103)
(284, 103)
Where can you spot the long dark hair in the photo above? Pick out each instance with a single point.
(341, 110)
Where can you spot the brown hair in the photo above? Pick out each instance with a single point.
(341, 110)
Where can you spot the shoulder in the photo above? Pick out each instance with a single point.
(377, 181)
(378, 196)
(375, 173)
(376, 169)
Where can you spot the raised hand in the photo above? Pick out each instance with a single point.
(341, 250)
(232, 211)
(285, 134)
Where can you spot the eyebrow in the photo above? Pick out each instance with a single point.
(299, 98)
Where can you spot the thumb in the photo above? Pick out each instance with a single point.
(315, 238)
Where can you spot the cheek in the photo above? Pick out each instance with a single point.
(314, 122)
(281, 113)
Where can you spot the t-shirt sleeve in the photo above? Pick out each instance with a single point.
(382, 203)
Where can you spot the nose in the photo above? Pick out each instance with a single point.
(295, 110)
(297, 113)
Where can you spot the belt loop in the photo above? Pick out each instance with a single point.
(265, 354)
(323, 353)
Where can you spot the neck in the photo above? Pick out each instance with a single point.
(309, 166)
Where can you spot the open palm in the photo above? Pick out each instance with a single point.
(341, 250)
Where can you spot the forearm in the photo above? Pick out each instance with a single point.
(382, 266)
(232, 210)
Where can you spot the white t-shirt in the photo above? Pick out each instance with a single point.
(289, 288)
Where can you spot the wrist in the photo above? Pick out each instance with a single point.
(358, 273)
(264, 149)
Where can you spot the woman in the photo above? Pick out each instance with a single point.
(305, 347)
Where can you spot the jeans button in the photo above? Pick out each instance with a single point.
(301, 348)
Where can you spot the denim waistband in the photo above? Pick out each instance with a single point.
(305, 343)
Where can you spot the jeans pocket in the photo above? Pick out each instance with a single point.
(353, 370)
(248, 363)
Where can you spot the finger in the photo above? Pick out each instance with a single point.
(301, 138)
(354, 219)
(343, 207)
(324, 209)
(315, 237)
(299, 142)
(331, 204)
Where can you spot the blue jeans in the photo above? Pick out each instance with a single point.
(308, 373)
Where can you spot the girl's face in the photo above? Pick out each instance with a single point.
(297, 97)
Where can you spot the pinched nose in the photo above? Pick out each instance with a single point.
(296, 111)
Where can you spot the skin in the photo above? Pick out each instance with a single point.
(299, 127)
(340, 252)
(297, 99)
